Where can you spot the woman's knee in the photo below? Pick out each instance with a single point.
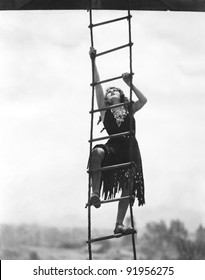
(98, 154)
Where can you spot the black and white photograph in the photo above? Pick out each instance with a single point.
(102, 102)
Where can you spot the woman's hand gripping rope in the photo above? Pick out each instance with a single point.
(92, 53)
(127, 78)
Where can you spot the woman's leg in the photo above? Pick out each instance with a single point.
(97, 157)
(122, 207)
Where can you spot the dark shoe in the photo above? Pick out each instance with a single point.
(122, 229)
(95, 201)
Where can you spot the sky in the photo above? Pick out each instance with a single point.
(45, 98)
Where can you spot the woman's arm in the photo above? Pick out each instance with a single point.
(142, 100)
(98, 88)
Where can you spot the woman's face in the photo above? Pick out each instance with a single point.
(113, 93)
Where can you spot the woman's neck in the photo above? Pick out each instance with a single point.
(115, 101)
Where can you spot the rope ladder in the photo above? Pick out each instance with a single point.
(130, 133)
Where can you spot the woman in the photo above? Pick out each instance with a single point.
(117, 149)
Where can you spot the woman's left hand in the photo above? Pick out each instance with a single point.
(126, 78)
(92, 53)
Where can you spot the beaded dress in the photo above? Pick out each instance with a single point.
(117, 151)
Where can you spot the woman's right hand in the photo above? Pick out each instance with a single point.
(92, 53)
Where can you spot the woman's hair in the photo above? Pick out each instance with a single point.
(123, 98)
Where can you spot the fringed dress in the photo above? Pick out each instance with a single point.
(117, 151)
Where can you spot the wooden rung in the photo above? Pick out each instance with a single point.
(115, 199)
(109, 21)
(118, 235)
(111, 200)
(114, 49)
(111, 136)
(107, 80)
(110, 107)
(110, 167)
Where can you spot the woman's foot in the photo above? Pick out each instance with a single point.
(120, 228)
(95, 200)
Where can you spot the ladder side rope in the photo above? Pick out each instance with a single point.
(131, 138)
(91, 137)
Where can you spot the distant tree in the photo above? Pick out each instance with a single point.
(155, 242)
(190, 250)
(200, 234)
(173, 242)
(8, 236)
(200, 243)
(187, 249)
(51, 237)
(156, 231)
(34, 256)
(177, 230)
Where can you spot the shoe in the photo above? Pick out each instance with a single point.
(120, 228)
(95, 200)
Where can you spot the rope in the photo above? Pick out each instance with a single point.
(132, 135)
(91, 137)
